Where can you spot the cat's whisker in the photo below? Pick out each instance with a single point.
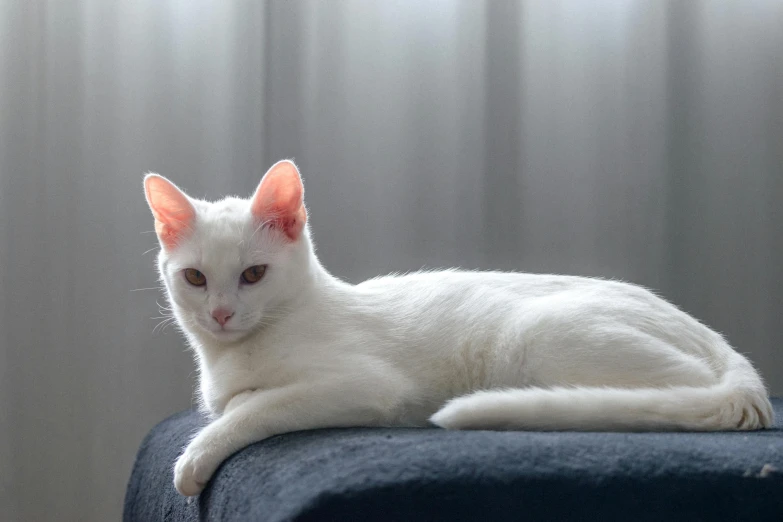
(167, 320)
(150, 250)
(170, 323)
(140, 289)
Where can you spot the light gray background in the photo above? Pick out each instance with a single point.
(624, 139)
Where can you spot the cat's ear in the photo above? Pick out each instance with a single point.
(279, 199)
(173, 212)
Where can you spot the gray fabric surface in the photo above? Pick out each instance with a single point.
(431, 474)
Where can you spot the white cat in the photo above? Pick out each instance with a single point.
(282, 345)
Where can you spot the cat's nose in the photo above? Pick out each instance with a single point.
(222, 315)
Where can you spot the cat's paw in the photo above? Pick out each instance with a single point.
(193, 470)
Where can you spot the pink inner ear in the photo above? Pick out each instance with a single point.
(173, 213)
(279, 199)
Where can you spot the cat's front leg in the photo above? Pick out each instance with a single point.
(264, 413)
(197, 464)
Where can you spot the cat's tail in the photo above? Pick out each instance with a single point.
(738, 402)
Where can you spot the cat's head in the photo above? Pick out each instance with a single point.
(232, 266)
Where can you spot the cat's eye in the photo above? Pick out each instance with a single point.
(194, 277)
(253, 274)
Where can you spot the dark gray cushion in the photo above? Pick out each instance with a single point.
(432, 474)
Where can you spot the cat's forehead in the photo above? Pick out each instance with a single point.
(220, 218)
(226, 230)
(229, 208)
(224, 223)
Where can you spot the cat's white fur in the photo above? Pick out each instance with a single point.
(462, 350)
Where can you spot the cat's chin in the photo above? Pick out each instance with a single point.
(227, 336)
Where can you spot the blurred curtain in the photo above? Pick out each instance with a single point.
(639, 140)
